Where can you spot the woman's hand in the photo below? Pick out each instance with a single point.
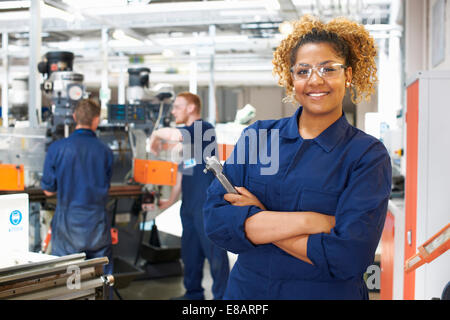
(319, 222)
(330, 223)
(244, 198)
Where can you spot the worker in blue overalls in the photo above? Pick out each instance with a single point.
(306, 224)
(78, 170)
(197, 137)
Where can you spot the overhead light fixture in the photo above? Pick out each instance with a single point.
(244, 13)
(120, 35)
(138, 2)
(167, 53)
(15, 15)
(14, 4)
(49, 11)
(26, 35)
(84, 4)
(272, 6)
(89, 4)
(286, 28)
(231, 39)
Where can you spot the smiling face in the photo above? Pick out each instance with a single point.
(317, 95)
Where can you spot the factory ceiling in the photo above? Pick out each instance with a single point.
(167, 33)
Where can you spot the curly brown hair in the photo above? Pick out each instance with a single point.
(350, 41)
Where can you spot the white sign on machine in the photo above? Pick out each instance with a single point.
(14, 226)
(13, 223)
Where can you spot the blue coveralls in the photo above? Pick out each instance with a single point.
(79, 168)
(195, 246)
(342, 172)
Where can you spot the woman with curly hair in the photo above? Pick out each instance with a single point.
(310, 229)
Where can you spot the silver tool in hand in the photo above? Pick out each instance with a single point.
(213, 165)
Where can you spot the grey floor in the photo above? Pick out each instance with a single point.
(162, 288)
(170, 229)
(166, 288)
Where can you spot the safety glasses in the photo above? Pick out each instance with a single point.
(329, 71)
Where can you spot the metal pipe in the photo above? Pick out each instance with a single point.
(5, 102)
(121, 86)
(193, 71)
(104, 90)
(212, 95)
(35, 102)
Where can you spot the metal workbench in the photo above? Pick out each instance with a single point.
(69, 277)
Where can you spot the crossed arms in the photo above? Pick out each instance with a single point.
(287, 230)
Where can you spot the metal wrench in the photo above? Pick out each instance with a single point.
(213, 165)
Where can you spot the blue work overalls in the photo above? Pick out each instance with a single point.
(342, 172)
(79, 169)
(195, 246)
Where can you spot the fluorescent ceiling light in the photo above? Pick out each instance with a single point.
(53, 12)
(14, 4)
(272, 5)
(69, 45)
(26, 35)
(262, 67)
(264, 25)
(251, 13)
(15, 15)
(286, 28)
(232, 39)
(201, 40)
(85, 4)
(123, 38)
(114, 7)
(167, 53)
(12, 48)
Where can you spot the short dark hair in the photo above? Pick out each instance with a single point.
(192, 98)
(85, 111)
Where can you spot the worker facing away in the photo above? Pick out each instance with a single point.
(78, 170)
(192, 183)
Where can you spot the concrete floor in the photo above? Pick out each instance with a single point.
(162, 288)
(169, 287)
(169, 224)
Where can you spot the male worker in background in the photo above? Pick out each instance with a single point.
(78, 170)
(192, 183)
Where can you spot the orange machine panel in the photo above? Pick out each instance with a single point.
(225, 151)
(11, 177)
(412, 129)
(387, 258)
(155, 172)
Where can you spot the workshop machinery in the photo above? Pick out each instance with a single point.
(22, 149)
(22, 154)
(64, 88)
(69, 277)
(147, 109)
(27, 275)
(18, 98)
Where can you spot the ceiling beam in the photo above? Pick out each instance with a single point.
(145, 18)
(103, 22)
(288, 10)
